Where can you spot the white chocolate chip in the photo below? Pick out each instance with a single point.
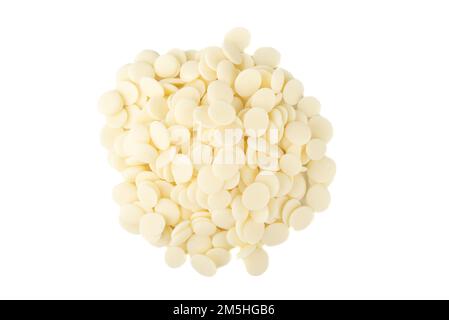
(310, 106)
(203, 265)
(189, 71)
(255, 122)
(267, 56)
(140, 69)
(125, 193)
(239, 37)
(275, 234)
(256, 196)
(130, 216)
(110, 103)
(208, 182)
(315, 149)
(318, 197)
(277, 80)
(152, 224)
(151, 87)
(248, 82)
(297, 133)
(175, 257)
(257, 262)
(128, 91)
(166, 66)
(293, 91)
(322, 171)
(219, 256)
(263, 98)
(301, 217)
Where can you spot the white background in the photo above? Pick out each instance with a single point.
(381, 71)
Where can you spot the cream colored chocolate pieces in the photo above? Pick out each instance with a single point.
(256, 196)
(218, 149)
(110, 103)
(247, 82)
(166, 66)
(175, 257)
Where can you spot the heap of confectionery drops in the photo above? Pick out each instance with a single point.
(218, 149)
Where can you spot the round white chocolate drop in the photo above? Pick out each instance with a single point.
(110, 103)
(290, 164)
(301, 217)
(275, 234)
(239, 37)
(189, 71)
(255, 122)
(320, 128)
(203, 265)
(198, 244)
(130, 217)
(128, 91)
(292, 92)
(267, 56)
(297, 133)
(159, 135)
(310, 106)
(253, 231)
(125, 193)
(219, 256)
(316, 149)
(247, 82)
(175, 257)
(263, 98)
(182, 168)
(152, 224)
(256, 196)
(166, 66)
(257, 262)
(151, 87)
(318, 197)
(322, 171)
(208, 182)
(221, 113)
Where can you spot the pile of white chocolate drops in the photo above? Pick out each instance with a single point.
(218, 149)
